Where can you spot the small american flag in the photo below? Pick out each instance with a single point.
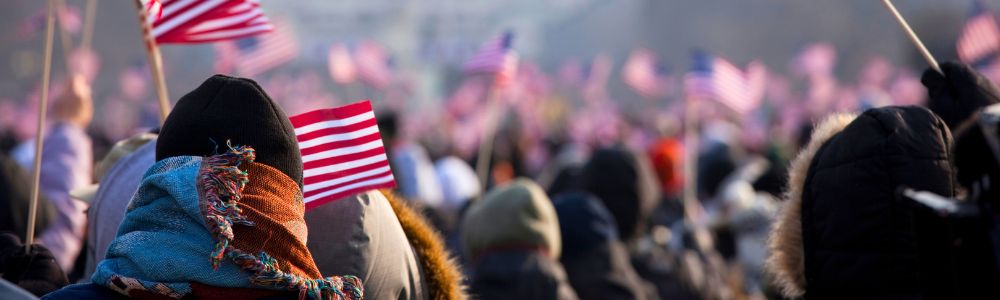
(251, 56)
(496, 56)
(645, 74)
(341, 64)
(342, 153)
(202, 21)
(979, 41)
(715, 78)
(372, 65)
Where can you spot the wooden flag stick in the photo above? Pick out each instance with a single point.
(40, 131)
(913, 36)
(65, 41)
(690, 191)
(486, 142)
(88, 24)
(155, 62)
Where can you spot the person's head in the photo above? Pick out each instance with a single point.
(514, 216)
(231, 110)
(626, 185)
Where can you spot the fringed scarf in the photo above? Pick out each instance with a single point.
(254, 220)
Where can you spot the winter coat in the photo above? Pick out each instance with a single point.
(107, 209)
(15, 199)
(66, 165)
(512, 241)
(384, 242)
(843, 233)
(10, 291)
(596, 262)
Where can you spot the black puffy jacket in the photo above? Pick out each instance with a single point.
(844, 233)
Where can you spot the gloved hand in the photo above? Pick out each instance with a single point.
(958, 93)
(35, 271)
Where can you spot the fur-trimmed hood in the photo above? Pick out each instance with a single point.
(387, 243)
(844, 231)
(786, 261)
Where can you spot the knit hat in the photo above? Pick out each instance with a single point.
(516, 215)
(231, 109)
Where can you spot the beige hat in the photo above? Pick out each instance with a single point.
(120, 150)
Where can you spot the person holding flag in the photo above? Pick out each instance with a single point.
(220, 213)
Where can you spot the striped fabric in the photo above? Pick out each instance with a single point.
(252, 56)
(980, 37)
(202, 21)
(154, 10)
(495, 56)
(342, 153)
(645, 74)
(716, 78)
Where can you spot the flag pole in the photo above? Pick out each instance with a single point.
(40, 131)
(155, 62)
(64, 39)
(88, 24)
(913, 36)
(690, 196)
(486, 143)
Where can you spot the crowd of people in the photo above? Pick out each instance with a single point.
(823, 198)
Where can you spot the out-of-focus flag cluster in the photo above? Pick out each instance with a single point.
(68, 19)
(715, 78)
(202, 21)
(251, 56)
(342, 153)
(495, 57)
(645, 74)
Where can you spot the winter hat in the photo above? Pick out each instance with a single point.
(584, 223)
(517, 215)
(231, 109)
(35, 271)
(626, 184)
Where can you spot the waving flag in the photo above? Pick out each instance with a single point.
(341, 64)
(496, 57)
(979, 41)
(154, 10)
(342, 153)
(645, 74)
(372, 65)
(251, 56)
(202, 21)
(715, 78)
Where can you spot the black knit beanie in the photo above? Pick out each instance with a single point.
(231, 109)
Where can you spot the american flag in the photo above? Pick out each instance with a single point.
(715, 78)
(341, 64)
(251, 56)
(372, 64)
(496, 57)
(342, 153)
(979, 41)
(154, 10)
(645, 74)
(203, 21)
